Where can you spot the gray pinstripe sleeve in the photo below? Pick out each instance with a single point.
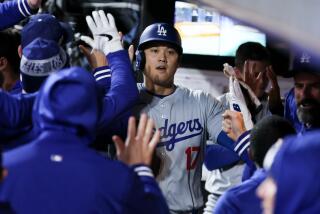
(214, 110)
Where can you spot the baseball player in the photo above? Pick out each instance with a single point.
(185, 118)
(40, 58)
(58, 173)
(292, 185)
(11, 12)
(242, 198)
(306, 76)
(18, 110)
(247, 84)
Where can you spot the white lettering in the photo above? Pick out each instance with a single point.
(161, 31)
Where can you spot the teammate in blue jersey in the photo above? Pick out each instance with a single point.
(39, 56)
(102, 73)
(302, 101)
(123, 90)
(58, 173)
(306, 75)
(11, 12)
(292, 185)
(242, 198)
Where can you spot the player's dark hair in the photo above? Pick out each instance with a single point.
(251, 51)
(9, 43)
(265, 133)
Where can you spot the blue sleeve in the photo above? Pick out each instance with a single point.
(11, 12)
(218, 156)
(290, 110)
(248, 171)
(102, 76)
(240, 147)
(226, 205)
(146, 196)
(16, 111)
(123, 92)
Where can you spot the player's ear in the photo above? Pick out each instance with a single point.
(238, 73)
(4, 173)
(3, 63)
(20, 51)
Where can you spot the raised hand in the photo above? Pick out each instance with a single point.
(275, 103)
(233, 124)
(253, 80)
(131, 52)
(34, 4)
(140, 144)
(105, 34)
(95, 57)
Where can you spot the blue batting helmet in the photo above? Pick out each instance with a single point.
(157, 32)
(160, 32)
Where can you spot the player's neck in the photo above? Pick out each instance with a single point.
(159, 90)
(8, 81)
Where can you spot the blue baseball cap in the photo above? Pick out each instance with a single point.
(305, 61)
(45, 26)
(39, 59)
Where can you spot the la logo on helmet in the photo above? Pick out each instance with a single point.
(161, 31)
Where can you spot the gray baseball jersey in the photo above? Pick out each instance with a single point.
(186, 120)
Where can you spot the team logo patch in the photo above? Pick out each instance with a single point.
(236, 107)
(43, 67)
(178, 132)
(305, 58)
(105, 35)
(161, 30)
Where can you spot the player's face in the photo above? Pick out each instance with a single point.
(307, 95)
(267, 192)
(162, 62)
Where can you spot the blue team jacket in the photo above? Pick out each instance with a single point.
(295, 170)
(242, 198)
(11, 12)
(122, 93)
(59, 173)
(290, 111)
(15, 125)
